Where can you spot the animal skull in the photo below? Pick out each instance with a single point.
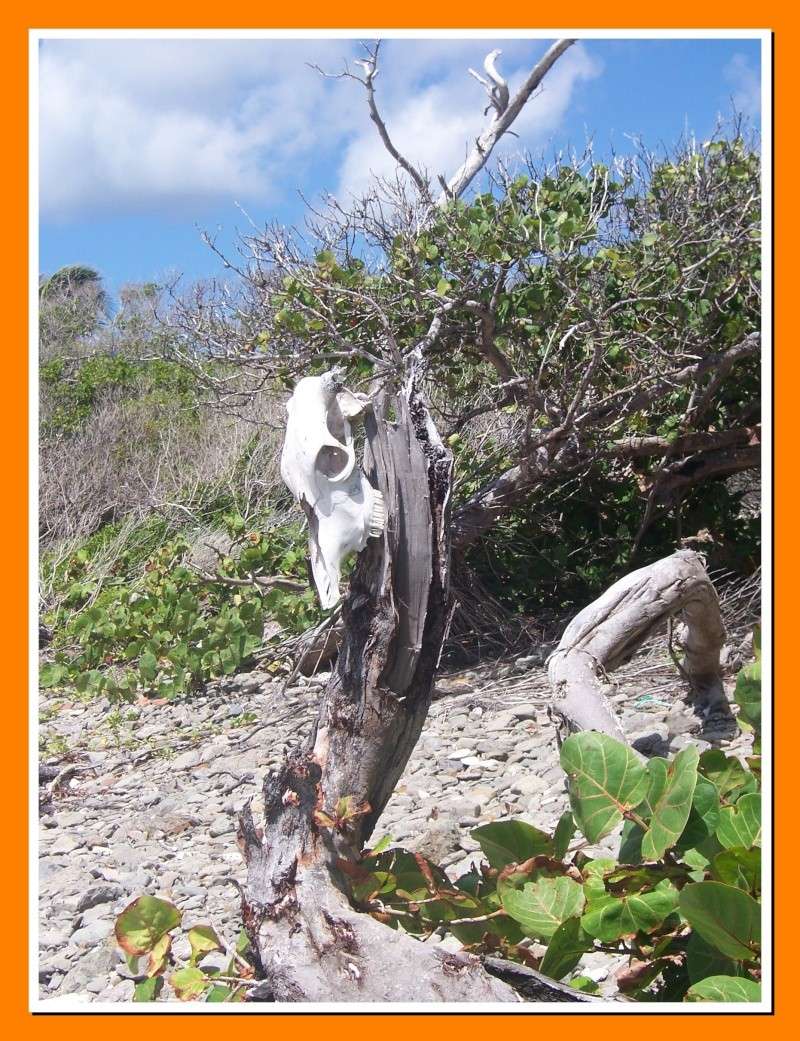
(318, 464)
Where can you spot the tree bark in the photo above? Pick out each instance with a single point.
(607, 632)
(311, 944)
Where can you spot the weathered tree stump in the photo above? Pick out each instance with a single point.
(312, 945)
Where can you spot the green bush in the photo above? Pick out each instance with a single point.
(154, 626)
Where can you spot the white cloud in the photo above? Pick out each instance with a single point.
(745, 85)
(132, 126)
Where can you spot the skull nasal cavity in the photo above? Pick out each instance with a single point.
(332, 460)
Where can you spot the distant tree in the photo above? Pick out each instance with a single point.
(73, 303)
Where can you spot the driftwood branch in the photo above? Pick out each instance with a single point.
(533, 985)
(371, 71)
(607, 632)
(289, 585)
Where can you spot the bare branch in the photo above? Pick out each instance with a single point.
(370, 67)
(501, 120)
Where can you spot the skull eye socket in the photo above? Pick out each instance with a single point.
(332, 461)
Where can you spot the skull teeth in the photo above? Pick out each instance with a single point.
(377, 520)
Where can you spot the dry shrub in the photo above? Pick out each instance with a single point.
(132, 457)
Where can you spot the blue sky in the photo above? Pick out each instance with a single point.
(144, 143)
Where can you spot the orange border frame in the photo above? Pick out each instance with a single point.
(13, 423)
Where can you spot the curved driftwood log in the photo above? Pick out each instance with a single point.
(311, 943)
(606, 633)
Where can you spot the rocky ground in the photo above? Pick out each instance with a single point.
(147, 797)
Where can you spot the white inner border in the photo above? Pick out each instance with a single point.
(75, 1004)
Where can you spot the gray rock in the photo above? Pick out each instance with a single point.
(98, 895)
(222, 825)
(188, 760)
(96, 914)
(66, 844)
(89, 935)
(438, 839)
(90, 966)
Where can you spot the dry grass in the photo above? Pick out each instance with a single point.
(129, 461)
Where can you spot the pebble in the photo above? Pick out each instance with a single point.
(148, 820)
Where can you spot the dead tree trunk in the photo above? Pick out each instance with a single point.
(607, 632)
(311, 943)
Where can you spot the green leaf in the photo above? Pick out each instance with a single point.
(149, 989)
(630, 843)
(142, 924)
(585, 984)
(740, 867)
(541, 906)
(159, 956)
(442, 287)
(51, 675)
(562, 836)
(188, 983)
(148, 666)
(740, 825)
(670, 800)
(511, 842)
(606, 780)
(726, 772)
(725, 916)
(565, 949)
(704, 960)
(748, 695)
(219, 992)
(649, 238)
(703, 816)
(381, 845)
(724, 988)
(202, 940)
(610, 918)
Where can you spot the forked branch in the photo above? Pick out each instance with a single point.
(503, 117)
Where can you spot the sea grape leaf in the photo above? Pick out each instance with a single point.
(148, 989)
(203, 940)
(188, 983)
(703, 816)
(606, 780)
(159, 956)
(610, 917)
(703, 959)
(740, 824)
(566, 947)
(748, 695)
(725, 916)
(562, 836)
(727, 773)
(511, 842)
(724, 988)
(670, 802)
(740, 867)
(541, 906)
(142, 924)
